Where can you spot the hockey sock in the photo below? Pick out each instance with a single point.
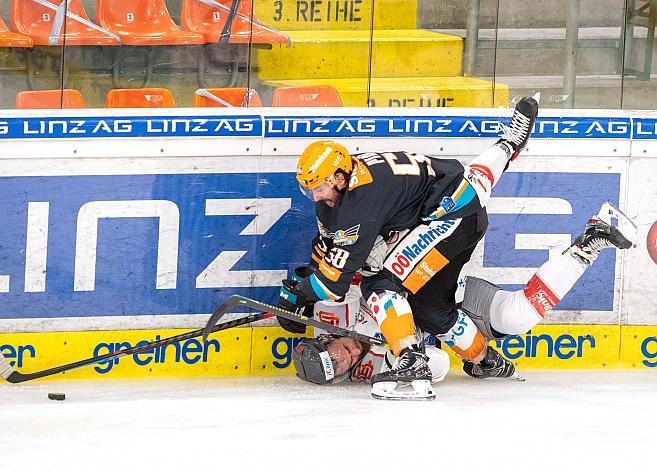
(465, 339)
(395, 318)
(485, 170)
(517, 312)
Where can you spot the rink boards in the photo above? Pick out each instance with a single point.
(267, 351)
(119, 228)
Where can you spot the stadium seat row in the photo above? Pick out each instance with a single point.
(133, 23)
(307, 96)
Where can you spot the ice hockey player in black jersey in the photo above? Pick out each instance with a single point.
(408, 223)
(498, 313)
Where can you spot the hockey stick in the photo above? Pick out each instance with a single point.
(13, 376)
(238, 300)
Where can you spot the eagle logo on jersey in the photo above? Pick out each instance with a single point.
(346, 237)
(340, 237)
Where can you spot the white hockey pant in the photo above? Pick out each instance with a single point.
(517, 312)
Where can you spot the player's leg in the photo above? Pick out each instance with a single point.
(499, 313)
(453, 327)
(394, 316)
(485, 170)
(391, 310)
(435, 311)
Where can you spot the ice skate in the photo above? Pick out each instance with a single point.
(409, 378)
(600, 234)
(515, 137)
(491, 366)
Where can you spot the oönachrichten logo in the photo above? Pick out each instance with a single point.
(651, 242)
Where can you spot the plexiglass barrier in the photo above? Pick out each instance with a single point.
(317, 53)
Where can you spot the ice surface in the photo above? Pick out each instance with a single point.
(575, 419)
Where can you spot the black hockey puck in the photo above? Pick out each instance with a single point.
(57, 396)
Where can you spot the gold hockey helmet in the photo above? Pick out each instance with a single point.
(319, 162)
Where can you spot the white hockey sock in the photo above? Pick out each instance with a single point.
(465, 339)
(485, 170)
(517, 312)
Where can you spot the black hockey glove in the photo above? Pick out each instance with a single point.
(293, 300)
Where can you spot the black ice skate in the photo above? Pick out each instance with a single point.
(493, 365)
(411, 368)
(515, 137)
(600, 234)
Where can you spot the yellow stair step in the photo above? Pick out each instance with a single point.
(306, 15)
(345, 54)
(450, 92)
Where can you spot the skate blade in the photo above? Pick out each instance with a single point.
(418, 390)
(515, 376)
(625, 224)
(518, 377)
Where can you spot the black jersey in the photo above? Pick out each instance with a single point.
(387, 192)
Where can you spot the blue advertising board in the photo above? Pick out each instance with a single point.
(102, 241)
(285, 126)
(118, 273)
(584, 193)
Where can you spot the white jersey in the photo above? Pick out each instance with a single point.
(354, 314)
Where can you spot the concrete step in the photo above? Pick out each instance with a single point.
(519, 13)
(411, 92)
(345, 54)
(306, 15)
(595, 91)
(541, 51)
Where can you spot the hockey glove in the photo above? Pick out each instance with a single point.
(302, 272)
(293, 300)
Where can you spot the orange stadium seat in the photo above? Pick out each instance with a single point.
(9, 39)
(306, 96)
(208, 17)
(140, 98)
(50, 99)
(226, 97)
(36, 19)
(143, 23)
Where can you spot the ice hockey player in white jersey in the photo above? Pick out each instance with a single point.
(329, 359)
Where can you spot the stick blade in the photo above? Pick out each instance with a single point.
(219, 312)
(8, 372)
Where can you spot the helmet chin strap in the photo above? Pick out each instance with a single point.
(331, 180)
(336, 184)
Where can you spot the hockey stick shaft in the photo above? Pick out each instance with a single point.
(13, 376)
(238, 300)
